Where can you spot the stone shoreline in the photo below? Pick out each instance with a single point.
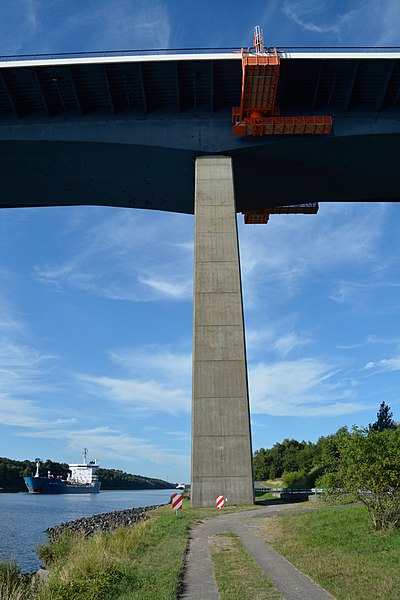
(102, 522)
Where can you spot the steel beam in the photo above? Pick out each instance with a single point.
(349, 92)
(108, 88)
(42, 93)
(381, 96)
(10, 96)
(75, 92)
(143, 89)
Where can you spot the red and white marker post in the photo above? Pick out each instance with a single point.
(219, 501)
(176, 502)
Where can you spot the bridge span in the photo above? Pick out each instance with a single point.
(155, 132)
(125, 130)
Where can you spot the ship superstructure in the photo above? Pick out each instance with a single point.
(82, 479)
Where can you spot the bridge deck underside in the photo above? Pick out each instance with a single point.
(179, 86)
(127, 134)
(136, 176)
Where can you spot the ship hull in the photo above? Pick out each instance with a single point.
(45, 485)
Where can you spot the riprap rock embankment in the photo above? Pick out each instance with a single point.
(102, 522)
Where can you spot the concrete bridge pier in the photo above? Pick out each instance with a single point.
(221, 439)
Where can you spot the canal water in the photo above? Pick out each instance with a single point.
(25, 517)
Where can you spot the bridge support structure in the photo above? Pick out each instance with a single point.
(221, 438)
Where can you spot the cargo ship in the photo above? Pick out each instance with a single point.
(82, 479)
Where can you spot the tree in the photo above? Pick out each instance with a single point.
(369, 467)
(289, 456)
(261, 465)
(384, 419)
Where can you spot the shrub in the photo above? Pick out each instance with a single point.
(369, 467)
(295, 479)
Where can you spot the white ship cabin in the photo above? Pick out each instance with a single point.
(83, 473)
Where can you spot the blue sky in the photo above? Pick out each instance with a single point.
(96, 303)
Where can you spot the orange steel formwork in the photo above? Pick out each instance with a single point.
(260, 75)
(257, 114)
(283, 126)
(261, 216)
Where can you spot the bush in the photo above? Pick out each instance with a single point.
(369, 467)
(295, 479)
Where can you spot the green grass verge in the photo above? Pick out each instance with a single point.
(339, 550)
(238, 575)
(142, 562)
(336, 548)
(15, 585)
(263, 496)
(274, 483)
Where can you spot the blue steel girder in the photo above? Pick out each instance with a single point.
(8, 100)
(125, 131)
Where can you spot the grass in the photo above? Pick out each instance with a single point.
(336, 548)
(274, 483)
(143, 562)
(238, 575)
(263, 496)
(14, 585)
(339, 550)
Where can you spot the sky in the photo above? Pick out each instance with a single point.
(96, 302)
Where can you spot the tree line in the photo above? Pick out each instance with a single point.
(363, 462)
(12, 473)
(114, 479)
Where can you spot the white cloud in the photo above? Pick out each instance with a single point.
(386, 18)
(11, 323)
(42, 26)
(307, 388)
(371, 339)
(157, 380)
(113, 446)
(304, 13)
(18, 24)
(256, 338)
(166, 289)
(179, 435)
(277, 337)
(28, 396)
(22, 368)
(279, 259)
(367, 22)
(159, 360)
(116, 25)
(140, 396)
(386, 364)
(22, 413)
(290, 341)
(125, 255)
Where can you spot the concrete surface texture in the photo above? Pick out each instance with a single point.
(221, 441)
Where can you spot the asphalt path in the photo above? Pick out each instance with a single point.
(199, 581)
